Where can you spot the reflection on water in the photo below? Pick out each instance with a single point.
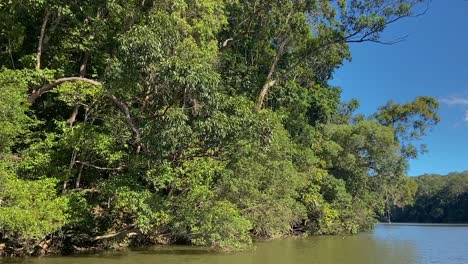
(432, 243)
(388, 244)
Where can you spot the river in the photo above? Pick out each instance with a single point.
(387, 244)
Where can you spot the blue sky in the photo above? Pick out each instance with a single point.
(432, 61)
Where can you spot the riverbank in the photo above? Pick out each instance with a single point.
(424, 224)
(55, 246)
(385, 245)
(117, 242)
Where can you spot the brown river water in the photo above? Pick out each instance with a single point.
(387, 244)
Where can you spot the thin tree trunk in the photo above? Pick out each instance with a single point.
(389, 218)
(10, 52)
(389, 212)
(84, 65)
(269, 82)
(71, 120)
(78, 179)
(130, 121)
(72, 164)
(65, 184)
(52, 27)
(41, 40)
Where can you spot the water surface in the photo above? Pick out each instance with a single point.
(388, 244)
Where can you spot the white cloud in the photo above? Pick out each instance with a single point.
(454, 100)
(457, 101)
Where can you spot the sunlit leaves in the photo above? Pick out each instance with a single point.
(30, 209)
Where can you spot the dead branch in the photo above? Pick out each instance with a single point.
(130, 231)
(98, 167)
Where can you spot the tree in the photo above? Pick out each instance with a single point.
(410, 121)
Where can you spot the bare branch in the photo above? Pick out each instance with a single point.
(226, 42)
(367, 37)
(130, 231)
(98, 167)
(392, 42)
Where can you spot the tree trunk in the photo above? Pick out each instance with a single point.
(55, 23)
(41, 40)
(78, 179)
(72, 164)
(389, 218)
(84, 65)
(263, 93)
(389, 213)
(269, 82)
(71, 120)
(130, 121)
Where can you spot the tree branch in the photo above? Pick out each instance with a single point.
(269, 82)
(365, 37)
(392, 42)
(46, 88)
(350, 39)
(131, 123)
(71, 120)
(130, 231)
(97, 167)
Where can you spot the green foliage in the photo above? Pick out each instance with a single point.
(199, 215)
(30, 209)
(13, 108)
(439, 199)
(410, 121)
(263, 183)
(331, 206)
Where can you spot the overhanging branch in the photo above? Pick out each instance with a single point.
(48, 87)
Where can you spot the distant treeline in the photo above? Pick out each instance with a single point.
(439, 199)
